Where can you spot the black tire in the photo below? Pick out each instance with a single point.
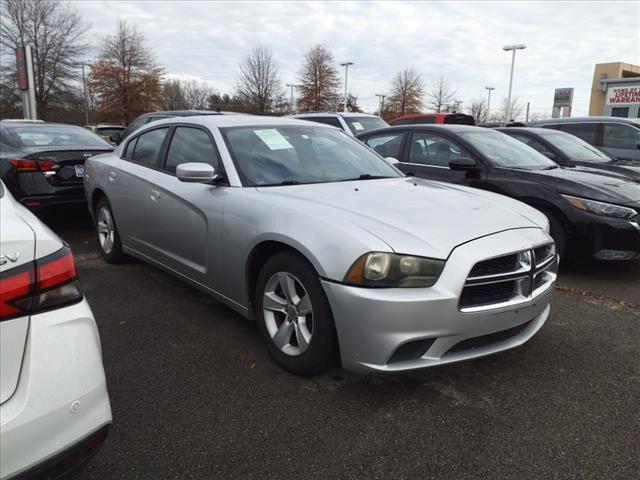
(322, 352)
(114, 254)
(558, 232)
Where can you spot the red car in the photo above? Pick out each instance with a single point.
(422, 118)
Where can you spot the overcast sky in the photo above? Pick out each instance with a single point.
(461, 40)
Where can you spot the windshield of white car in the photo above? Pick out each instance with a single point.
(360, 125)
(55, 136)
(577, 149)
(503, 151)
(292, 155)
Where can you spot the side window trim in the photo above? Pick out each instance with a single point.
(169, 137)
(161, 152)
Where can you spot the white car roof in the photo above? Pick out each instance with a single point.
(220, 121)
(333, 114)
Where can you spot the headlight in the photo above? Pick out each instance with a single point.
(601, 208)
(379, 269)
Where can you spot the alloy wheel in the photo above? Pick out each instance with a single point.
(106, 229)
(288, 313)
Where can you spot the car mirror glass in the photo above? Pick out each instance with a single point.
(116, 137)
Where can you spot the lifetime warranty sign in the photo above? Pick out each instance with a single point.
(623, 95)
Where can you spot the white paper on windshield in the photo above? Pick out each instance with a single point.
(273, 139)
(357, 126)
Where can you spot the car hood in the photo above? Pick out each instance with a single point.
(586, 183)
(616, 168)
(411, 215)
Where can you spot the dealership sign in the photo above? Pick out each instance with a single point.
(562, 101)
(623, 95)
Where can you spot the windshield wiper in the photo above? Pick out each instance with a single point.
(366, 176)
(550, 167)
(278, 184)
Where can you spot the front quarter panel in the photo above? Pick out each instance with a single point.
(330, 244)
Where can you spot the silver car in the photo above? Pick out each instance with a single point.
(336, 254)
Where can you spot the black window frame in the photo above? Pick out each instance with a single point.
(222, 171)
(161, 152)
(386, 134)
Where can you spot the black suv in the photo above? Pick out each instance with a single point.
(618, 137)
(151, 116)
(568, 151)
(589, 214)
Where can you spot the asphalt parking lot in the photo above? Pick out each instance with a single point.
(195, 395)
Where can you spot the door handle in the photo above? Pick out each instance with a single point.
(154, 194)
(112, 176)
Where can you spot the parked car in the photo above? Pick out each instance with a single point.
(333, 251)
(152, 116)
(105, 131)
(618, 137)
(352, 123)
(437, 118)
(501, 124)
(590, 214)
(42, 164)
(54, 405)
(568, 151)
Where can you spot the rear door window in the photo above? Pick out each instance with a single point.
(191, 145)
(618, 135)
(387, 145)
(148, 146)
(333, 121)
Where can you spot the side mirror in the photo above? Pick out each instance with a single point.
(196, 172)
(392, 160)
(116, 137)
(462, 164)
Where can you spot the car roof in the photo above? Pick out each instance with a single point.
(631, 121)
(182, 113)
(537, 130)
(332, 114)
(32, 123)
(453, 127)
(221, 121)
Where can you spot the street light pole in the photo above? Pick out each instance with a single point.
(380, 103)
(291, 85)
(346, 80)
(489, 89)
(513, 49)
(84, 93)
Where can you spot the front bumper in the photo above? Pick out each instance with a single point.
(61, 397)
(607, 238)
(373, 324)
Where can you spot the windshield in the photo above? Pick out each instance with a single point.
(503, 151)
(56, 136)
(577, 149)
(360, 125)
(281, 155)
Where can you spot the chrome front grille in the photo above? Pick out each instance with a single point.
(511, 278)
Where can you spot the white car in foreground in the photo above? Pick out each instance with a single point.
(54, 405)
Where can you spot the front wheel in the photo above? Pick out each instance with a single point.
(294, 315)
(558, 233)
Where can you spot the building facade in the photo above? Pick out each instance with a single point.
(615, 91)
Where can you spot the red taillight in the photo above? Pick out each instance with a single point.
(28, 165)
(41, 285)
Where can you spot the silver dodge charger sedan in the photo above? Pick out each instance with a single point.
(337, 255)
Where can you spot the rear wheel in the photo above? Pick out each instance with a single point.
(294, 315)
(107, 232)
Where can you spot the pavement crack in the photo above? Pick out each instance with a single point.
(598, 297)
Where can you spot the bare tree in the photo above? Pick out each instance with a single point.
(126, 79)
(318, 81)
(516, 110)
(10, 104)
(55, 30)
(196, 94)
(173, 95)
(406, 94)
(258, 84)
(478, 110)
(440, 94)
